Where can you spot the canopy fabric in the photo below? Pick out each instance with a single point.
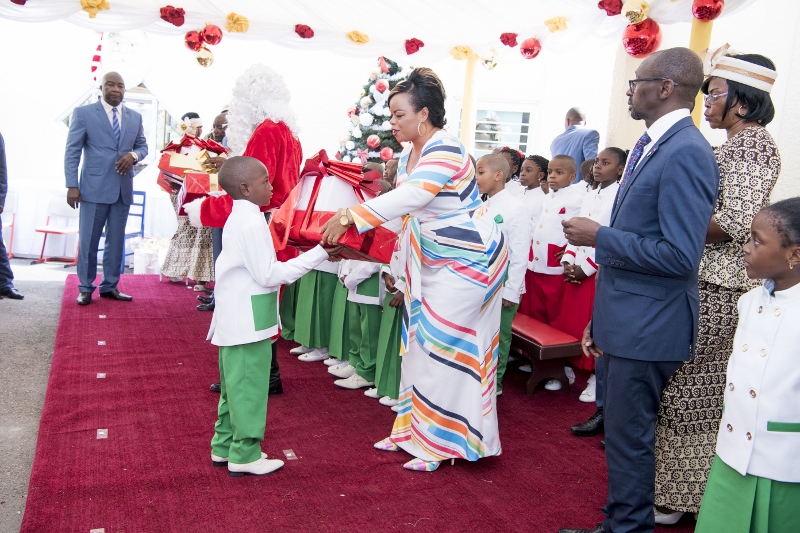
(440, 25)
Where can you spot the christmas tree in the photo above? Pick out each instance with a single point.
(370, 138)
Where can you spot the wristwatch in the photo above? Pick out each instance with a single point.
(344, 220)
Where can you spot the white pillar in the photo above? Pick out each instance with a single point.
(788, 135)
(622, 131)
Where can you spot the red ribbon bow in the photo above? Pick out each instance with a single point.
(413, 45)
(351, 173)
(19, 2)
(611, 7)
(509, 39)
(303, 31)
(363, 155)
(173, 15)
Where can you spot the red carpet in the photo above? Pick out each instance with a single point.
(153, 473)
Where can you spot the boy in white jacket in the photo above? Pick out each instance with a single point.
(246, 318)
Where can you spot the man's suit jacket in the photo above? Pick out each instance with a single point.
(647, 302)
(578, 142)
(90, 133)
(3, 173)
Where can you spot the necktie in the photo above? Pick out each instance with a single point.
(115, 123)
(636, 154)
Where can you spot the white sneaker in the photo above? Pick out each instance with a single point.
(511, 358)
(313, 356)
(353, 382)
(570, 374)
(256, 468)
(667, 519)
(343, 370)
(553, 384)
(372, 393)
(331, 361)
(388, 402)
(300, 350)
(525, 368)
(589, 393)
(395, 408)
(216, 460)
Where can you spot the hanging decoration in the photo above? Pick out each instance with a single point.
(373, 141)
(386, 153)
(211, 34)
(461, 52)
(96, 58)
(358, 37)
(636, 11)
(94, 6)
(381, 85)
(366, 102)
(204, 57)
(489, 59)
(509, 39)
(19, 2)
(193, 40)
(707, 10)
(173, 15)
(611, 7)
(305, 32)
(237, 23)
(530, 48)
(413, 45)
(642, 39)
(556, 24)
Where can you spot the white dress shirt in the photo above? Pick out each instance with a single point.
(110, 114)
(548, 233)
(597, 205)
(516, 227)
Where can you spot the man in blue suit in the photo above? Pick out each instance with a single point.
(7, 289)
(646, 307)
(577, 141)
(111, 138)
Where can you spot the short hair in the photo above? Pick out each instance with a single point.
(785, 217)
(587, 163)
(235, 171)
(621, 154)
(516, 157)
(424, 89)
(758, 102)
(497, 162)
(683, 67)
(576, 113)
(539, 161)
(190, 115)
(569, 159)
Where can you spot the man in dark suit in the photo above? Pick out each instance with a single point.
(111, 138)
(645, 314)
(577, 141)
(7, 289)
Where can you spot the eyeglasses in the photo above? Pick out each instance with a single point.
(711, 98)
(632, 83)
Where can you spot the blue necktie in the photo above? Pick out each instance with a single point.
(636, 154)
(115, 123)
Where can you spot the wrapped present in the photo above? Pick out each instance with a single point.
(196, 185)
(187, 155)
(325, 187)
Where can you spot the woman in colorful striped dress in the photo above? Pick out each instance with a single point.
(454, 262)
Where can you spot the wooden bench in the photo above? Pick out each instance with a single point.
(546, 347)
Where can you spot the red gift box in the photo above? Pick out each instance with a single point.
(195, 185)
(303, 228)
(169, 182)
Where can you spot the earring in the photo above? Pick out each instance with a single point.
(791, 265)
(739, 112)
(419, 126)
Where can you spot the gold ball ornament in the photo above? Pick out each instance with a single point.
(489, 59)
(204, 57)
(365, 102)
(636, 11)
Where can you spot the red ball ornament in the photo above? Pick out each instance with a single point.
(707, 10)
(193, 40)
(381, 85)
(352, 110)
(373, 141)
(530, 48)
(641, 40)
(386, 153)
(211, 34)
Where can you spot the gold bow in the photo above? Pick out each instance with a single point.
(237, 23)
(461, 52)
(712, 59)
(556, 24)
(358, 37)
(93, 6)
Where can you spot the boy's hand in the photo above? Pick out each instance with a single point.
(397, 299)
(333, 253)
(578, 274)
(508, 303)
(389, 280)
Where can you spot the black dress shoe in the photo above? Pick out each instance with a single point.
(208, 291)
(216, 387)
(206, 307)
(593, 426)
(114, 294)
(205, 299)
(597, 529)
(11, 293)
(84, 298)
(603, 444)
(275, 387)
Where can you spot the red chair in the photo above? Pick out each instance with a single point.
(59, 209)
(8, 221)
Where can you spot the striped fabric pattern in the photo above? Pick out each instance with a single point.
(454, 260)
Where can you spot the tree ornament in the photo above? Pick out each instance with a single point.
(413, 46)
(636, 11)
(382, 64)
(365, 119)
(641, 40)
(530, 48)
(373, 74)
(611, 7)
(343, 140)
(707, 10)
(386, 153)
(381, 85)
(356, 133)
(355, 120)
(352, 110)
(373, 141)
(204, 57)
(173, 15)
(509, 39)
(303, 31)
(346, 158)
(365, 102)
(349, 145)
(489, 59)
(193, 40)
(211, 34)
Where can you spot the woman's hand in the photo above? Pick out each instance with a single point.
(213, 163)
(333, 230)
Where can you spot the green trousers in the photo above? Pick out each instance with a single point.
(387, 364)
(287, 310)
(506, 318)
(312, 319)
(365, 324)
(242, 411)
(340, 327)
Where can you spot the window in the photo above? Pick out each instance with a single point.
(503, 123)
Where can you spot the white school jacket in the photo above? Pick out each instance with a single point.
(532, 199)
(597, 205)
(363, 282)
(248, 279)
(514, 220)
(548, 233)
(760, 429)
